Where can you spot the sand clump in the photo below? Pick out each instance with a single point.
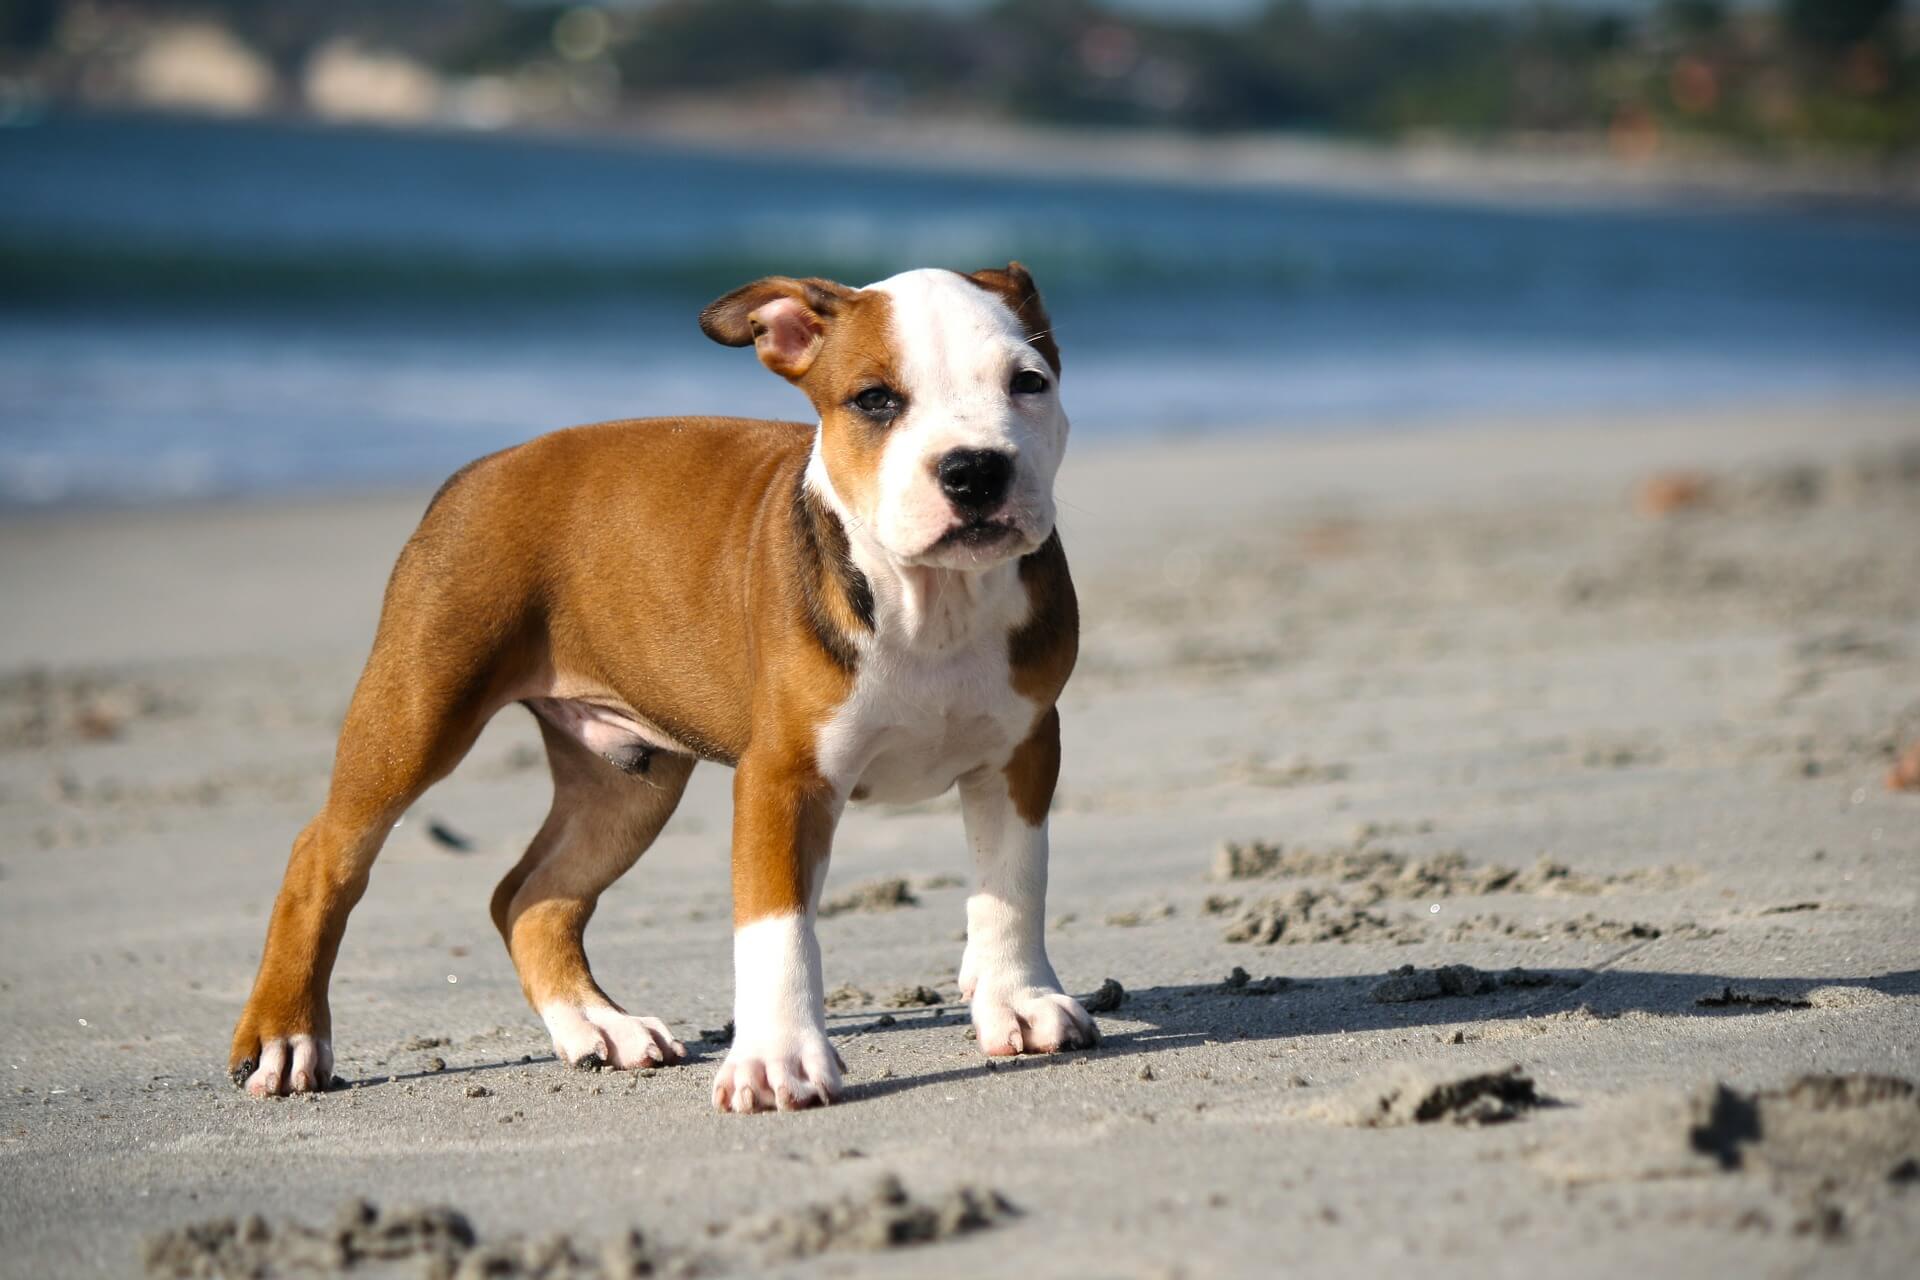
(1408, 983)
(1582, 928)
(1840, 1148)
(1362, 876)
(879, 895)
(437, 1243)
(440, 1244)
(1410, 1094)
(1376, 873)
(882, 1217)
(1109, 997)
(1241, 983)
(1729, 997)
(1312, 915)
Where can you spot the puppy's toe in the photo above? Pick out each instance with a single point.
(1032, 1021)
(287, 1064)
(591, 1036)
(790, 1076)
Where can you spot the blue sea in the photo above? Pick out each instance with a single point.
(194, 309)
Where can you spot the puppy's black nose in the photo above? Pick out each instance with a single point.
(975, 480)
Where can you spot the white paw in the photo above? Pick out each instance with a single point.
(291, 1064)
(1031, 1020)
(788, 1073)
(600, 1035)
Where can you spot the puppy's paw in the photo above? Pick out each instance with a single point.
(275, 1066)
(788, 1073)
(1031, 1020)
(601, 1035)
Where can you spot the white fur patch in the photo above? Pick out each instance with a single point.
(958, 348)
(1018, 1006)
(292, 1064)
(583, 1034)
(780, 1057)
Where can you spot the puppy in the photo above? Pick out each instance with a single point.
(876, 607)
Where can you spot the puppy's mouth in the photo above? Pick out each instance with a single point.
(978, 534)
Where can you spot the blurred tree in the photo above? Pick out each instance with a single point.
(1837, 24)
(1691, 19)
(27, 25)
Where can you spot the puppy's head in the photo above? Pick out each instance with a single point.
(939, 400)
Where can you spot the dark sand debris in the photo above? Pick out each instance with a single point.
(447, 838)
(848, 997)
(435, 1242)
(882, 1217)
(879, 895)
(1408, 983)
(1241, 983)
(1413, 1095)
(1730, 997)
(1109, 997)
(915, 997)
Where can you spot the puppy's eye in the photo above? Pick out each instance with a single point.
(876, 402)
(1029, 382)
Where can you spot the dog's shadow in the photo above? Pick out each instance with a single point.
(1160, 1019)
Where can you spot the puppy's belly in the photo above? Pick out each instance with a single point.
(626, 740)
(907, 767)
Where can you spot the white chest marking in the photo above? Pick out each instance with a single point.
(932, 697)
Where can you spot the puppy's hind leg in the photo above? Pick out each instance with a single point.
(603, 818)
(400, 737)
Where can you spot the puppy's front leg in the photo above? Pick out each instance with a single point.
(1018, 1006)
(783, 820)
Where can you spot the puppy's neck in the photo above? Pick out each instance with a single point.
(920, 607)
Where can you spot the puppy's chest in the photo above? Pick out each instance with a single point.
(915, 724)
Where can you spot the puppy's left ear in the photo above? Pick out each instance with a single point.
(785, 320)
(1022, 296)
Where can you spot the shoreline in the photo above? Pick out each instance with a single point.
(1545, 171)
(1632, 428)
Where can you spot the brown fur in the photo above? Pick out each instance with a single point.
(1022, 296)
(527, 576)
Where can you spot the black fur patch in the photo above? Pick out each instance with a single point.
(827, 566)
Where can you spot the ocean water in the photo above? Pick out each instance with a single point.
(196, 309)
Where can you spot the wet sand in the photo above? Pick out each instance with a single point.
(1476, 697)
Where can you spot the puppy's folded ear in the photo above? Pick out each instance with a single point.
(785, 320)
(1022, 296)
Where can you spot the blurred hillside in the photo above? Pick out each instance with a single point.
(1773, 78)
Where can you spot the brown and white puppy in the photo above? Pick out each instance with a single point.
(876, 608)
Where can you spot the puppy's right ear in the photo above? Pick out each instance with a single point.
(786, 320)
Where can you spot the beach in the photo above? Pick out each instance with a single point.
(1602, 709)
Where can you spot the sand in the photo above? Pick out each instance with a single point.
(1478, 694)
